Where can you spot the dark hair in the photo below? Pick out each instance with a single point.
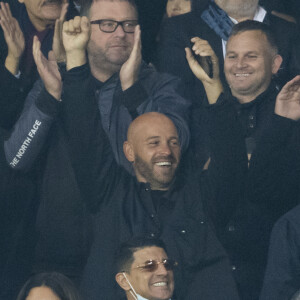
(124, 255)
(255, 25)
(86, 5)
(60, 285)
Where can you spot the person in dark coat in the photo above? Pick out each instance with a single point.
(20, 21)
(214, 24)
(161, 200)
(144, 269)
(18, 202)
(38, 141)
(272, 183)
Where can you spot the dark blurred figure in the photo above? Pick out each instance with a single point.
(49, 286)
(288, 7)
(20, 21)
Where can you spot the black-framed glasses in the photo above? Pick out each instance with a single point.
(110, 26)
(151, 265)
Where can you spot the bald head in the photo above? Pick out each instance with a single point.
(153, 148)
(141, 123)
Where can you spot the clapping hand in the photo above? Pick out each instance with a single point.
(288, 100)
(48, 70)
(14, 38)
(130, 70)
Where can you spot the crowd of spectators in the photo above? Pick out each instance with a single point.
(148, 149)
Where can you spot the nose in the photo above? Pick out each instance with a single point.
(161, 270)
(165, 149)
(177, 4)
(241, 62)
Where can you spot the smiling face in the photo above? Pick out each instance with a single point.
(178, 7)
(41, 293)
(108, 51)
(156, 285)
(153, 147)
(249, 64)
(43, 13)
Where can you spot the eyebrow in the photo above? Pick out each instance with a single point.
(153, 137)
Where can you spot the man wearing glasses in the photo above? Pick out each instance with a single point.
(159, 200)
(144, 270)
(123, 87)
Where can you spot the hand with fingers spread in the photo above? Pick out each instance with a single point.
(288, 100)
(57, 45)
(14, 38)
(76, 34)
(130, 70)
(48, 70)
(200, 68)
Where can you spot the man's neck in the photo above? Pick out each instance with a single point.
(40, 24)
(104, 73)
(248, 98)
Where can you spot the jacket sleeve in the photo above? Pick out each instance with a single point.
(282, 274)
(12, 98)
(227, 170)
(30, 132)
(274, 168)
(90, 151)
(208, 270)
(214, 278)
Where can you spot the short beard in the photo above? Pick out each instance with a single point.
(148, 173)
(99, 61)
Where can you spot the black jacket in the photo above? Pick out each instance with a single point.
(271, 187)
(282, 274)
(125, 208)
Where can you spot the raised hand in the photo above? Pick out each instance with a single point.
(203, 50)
(47, 69)
(130, 70)
(76, 34)
(288, 100)
(57, 45)
(14, 38)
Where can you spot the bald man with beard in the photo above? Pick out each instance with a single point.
(163, 199)
(160, 201)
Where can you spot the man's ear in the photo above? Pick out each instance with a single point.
(277, 60)
(122, 282)
(128, 151)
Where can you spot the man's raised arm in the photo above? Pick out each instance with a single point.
(89, 148)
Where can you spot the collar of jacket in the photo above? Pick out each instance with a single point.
(268, 95)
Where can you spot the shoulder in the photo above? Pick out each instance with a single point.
(288, 225)
(151, 77)
(278, 23)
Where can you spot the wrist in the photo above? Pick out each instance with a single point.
(75, 58)
(213, 90)
(55, 94)
(127, 85)
(12, 64)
